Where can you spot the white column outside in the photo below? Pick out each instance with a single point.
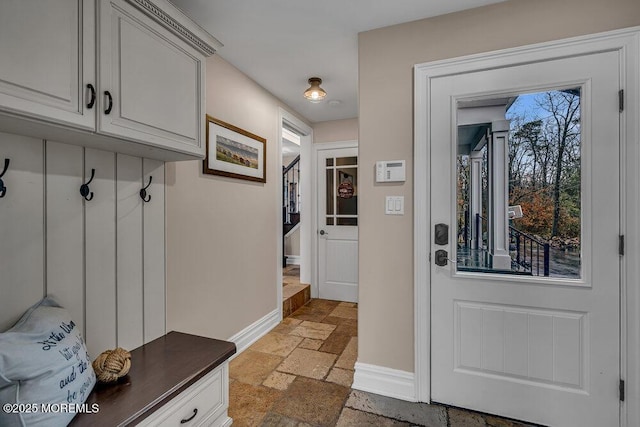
(475, 197)
(499, 196)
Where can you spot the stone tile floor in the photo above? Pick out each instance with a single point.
(294, 293)
(300, 375)
(291, 275)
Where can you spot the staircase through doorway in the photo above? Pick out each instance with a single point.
(294, 293)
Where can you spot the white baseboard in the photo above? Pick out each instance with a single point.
(255, 331)
(385, 381)
(293, 259)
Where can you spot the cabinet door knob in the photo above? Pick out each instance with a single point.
(186, 420)
(110, 106)
(93, 95)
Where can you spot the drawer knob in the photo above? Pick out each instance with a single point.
(186, 420)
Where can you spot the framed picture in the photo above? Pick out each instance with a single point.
(234, 152)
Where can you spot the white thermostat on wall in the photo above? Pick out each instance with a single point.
(390, 171)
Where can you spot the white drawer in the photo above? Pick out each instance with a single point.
(201, 404)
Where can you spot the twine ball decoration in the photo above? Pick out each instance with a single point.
(112, 364)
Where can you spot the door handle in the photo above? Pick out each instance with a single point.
(441, 258)
(322, 233)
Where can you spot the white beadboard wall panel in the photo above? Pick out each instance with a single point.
(21, 227)
(154, 257)
(103, 259)
(100, 252)
(65, 228)
(129, 256)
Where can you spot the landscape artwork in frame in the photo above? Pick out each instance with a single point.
(234, 152)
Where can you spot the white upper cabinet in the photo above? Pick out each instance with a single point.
(151, 82)
(48, 58)
(119, 75)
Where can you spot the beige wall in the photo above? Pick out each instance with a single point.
(221, 232)
(335, 130)
(386, 58)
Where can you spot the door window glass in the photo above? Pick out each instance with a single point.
(341, 191)
(535, 227)
(346, 161)
(330, 191)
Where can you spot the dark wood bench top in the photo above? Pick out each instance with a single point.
(160, 370)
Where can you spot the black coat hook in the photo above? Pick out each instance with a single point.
(84, 188)
(3, 188)
(143, 192)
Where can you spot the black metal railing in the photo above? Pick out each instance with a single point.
(290, 199)
(291, 192)
(531, 254)
(478, 240)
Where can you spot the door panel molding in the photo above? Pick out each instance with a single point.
(627, 43)
(525, 330)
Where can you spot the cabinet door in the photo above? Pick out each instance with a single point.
(154, 81)
(48, 58)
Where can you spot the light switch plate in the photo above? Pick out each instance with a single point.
(394, 205)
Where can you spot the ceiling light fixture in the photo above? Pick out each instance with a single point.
(315, 93)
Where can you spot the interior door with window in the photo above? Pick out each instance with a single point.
(525, 297)
(338, 224)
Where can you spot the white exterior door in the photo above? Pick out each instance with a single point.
(337, 192)
(529, 347)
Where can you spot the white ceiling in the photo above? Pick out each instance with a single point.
(281, 43)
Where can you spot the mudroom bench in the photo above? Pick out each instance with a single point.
(177, 379)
